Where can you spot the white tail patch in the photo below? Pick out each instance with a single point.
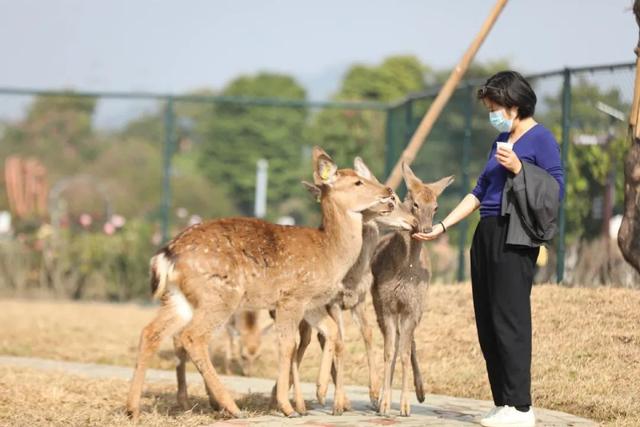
(180, 305)
(162, 269)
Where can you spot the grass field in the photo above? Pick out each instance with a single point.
(586, 357)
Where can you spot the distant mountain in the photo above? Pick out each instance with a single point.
(323, 84)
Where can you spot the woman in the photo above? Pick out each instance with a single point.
(502, 274)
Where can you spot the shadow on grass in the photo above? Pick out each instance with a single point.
(254, 404)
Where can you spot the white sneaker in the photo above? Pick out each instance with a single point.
(511, 417)
(490, 413)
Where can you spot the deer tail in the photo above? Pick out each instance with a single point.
(161, 271)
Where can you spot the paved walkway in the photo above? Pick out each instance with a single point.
(436, 411)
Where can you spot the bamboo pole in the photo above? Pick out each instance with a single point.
(425, 126)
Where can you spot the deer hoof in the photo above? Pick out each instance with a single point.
(294, 414)
(373, 396)
(405, 409)
(384, 408)
(133, 414)
(241, 414)
(184, 404)
(301, 408)
(347, 404)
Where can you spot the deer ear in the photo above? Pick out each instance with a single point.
(439, 186)
(362, 170)
(313, 189)
(324, 168)
(410, 179)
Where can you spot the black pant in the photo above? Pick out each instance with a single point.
(501, 277)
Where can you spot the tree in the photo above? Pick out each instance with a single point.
(588, 165)
(239, 134)
(349, 133)
(629, 236)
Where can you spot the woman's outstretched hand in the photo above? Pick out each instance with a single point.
(437, 230)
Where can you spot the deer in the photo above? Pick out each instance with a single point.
(212, 269)
(401, 273)
(356, 285)
(244, 333)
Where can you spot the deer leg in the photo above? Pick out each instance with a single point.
(183, 397)
(328, 348)
(332, 352)
(168, 321)
(195, 338)
(404, 349)
(336, 314)
(367, 335)
(181, 354)
(389, 333)
(304, 329)
(417, 376)
(287, 320)
(305, 339)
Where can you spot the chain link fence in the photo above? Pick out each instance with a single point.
(587, 109)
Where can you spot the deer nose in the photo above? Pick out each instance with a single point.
(389, 191)
(427, 229)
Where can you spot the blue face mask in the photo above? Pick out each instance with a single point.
(499, 121)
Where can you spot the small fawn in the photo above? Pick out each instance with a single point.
(401, 272)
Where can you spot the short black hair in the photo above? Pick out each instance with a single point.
(510, 89)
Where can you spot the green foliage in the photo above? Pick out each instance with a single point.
(239, 135)
(346, 134)
(79, 265)
(392, 80)
(587, 166)
(57, 130)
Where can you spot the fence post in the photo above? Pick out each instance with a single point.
(390, 144)
(466, 147)
(566, 128)
(166, 168)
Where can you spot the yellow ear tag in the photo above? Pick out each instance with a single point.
(324, 173)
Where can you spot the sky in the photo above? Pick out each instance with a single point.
(176, 46)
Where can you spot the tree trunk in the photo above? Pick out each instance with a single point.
(629, 235)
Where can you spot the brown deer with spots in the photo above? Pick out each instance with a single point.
(210, 270)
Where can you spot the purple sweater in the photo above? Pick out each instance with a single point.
(537, 146)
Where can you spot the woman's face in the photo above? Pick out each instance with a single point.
(509, 113)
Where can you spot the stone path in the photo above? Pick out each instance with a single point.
(436, 411)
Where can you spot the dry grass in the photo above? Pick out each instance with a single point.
(33, 398)
(586, 353)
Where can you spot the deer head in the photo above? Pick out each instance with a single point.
(422, 199)
(398, 217)
(347, 189)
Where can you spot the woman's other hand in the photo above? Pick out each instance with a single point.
(509, 160)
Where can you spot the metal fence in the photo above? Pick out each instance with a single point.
(586, 108)
(162, 161)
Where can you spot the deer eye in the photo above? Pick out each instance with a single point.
(415, 206)
(435, 209)
(359, 182)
